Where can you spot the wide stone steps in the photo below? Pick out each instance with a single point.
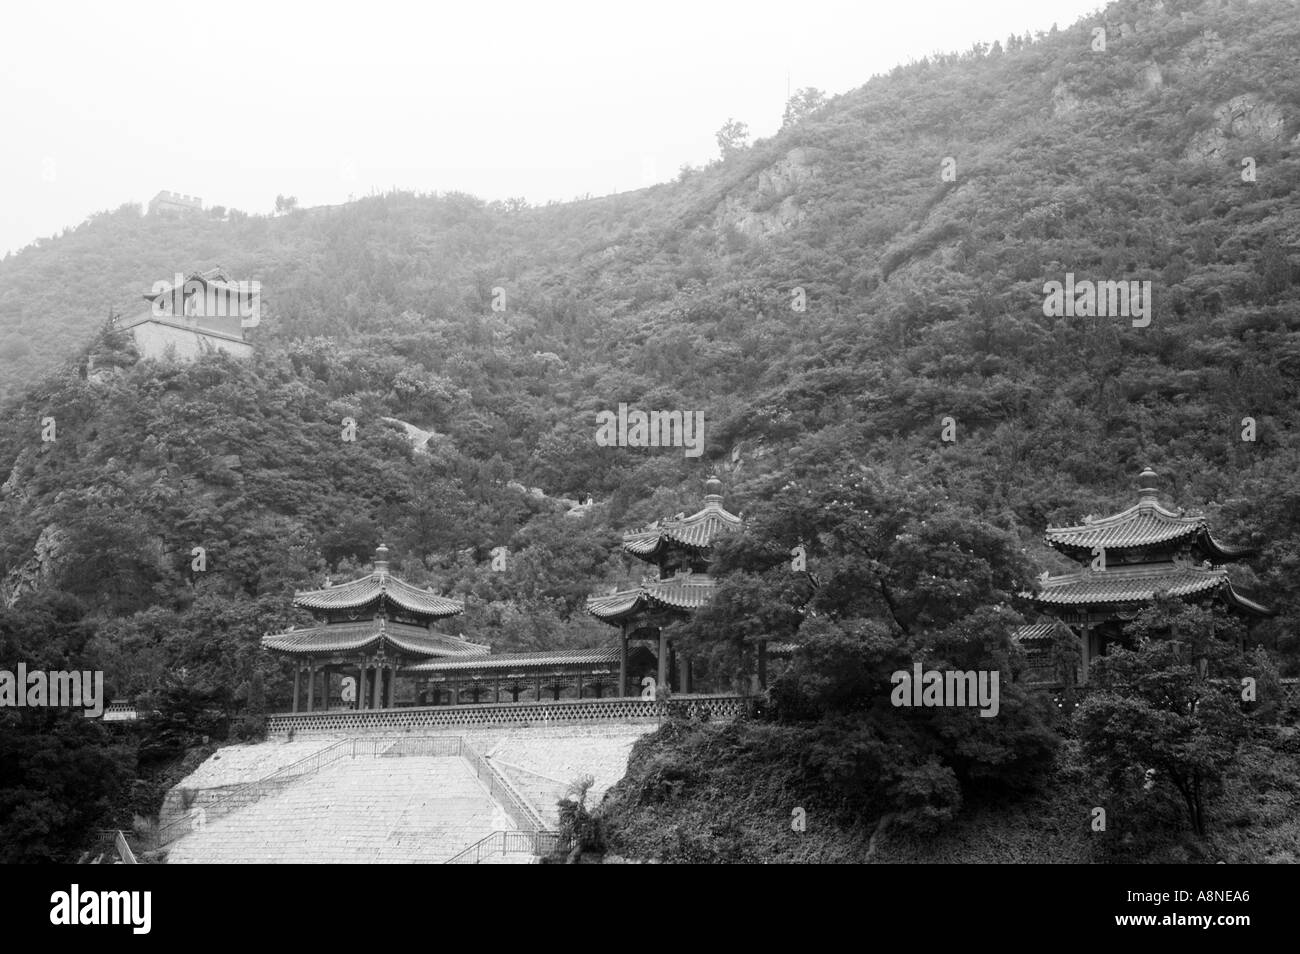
(357, 810)
(542, 765)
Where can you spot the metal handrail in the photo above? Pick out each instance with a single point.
(533, 842)
(517, 807)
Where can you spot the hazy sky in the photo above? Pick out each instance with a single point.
(107, 103)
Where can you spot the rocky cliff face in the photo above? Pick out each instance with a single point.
(1238, 123)
(772, 204)
(38, 571)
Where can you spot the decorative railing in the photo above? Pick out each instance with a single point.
(719, 708)
(507, 842)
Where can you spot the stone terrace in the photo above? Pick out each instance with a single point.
(391, 810)
(395, 810)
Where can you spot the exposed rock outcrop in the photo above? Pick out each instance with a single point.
(418, 437)
(773, 206)
(38, 571)
(1239, 122)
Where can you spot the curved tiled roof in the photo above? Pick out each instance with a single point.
(1144, 524)
(697, 532)
(1140, 583)
(369, 635)
(371, 589)
(560, 657)
(685, 591)
(1034, 632)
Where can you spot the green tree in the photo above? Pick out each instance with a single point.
(894, 575)
(1173, 703)
(804, 102)
(732, 137)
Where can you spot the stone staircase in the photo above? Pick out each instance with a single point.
(401, 810)
(233, 766)
(542, 763)
(398, 799)
(542, 792)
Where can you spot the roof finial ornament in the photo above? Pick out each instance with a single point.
(713, 490)
(381, 559)
(1147, 491)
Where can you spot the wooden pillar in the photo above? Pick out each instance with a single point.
(539, 687)
(622, 665)
(297, 687)
(379, 682)
(683, 672)
(360, 701)
(579, 685)
(496, 691)
(663, 660)
(324, 689)
(1086, 657)
(311, 682)
(762, 664)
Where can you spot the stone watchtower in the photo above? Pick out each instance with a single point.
(174, 203)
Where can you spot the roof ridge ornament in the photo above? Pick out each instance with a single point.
(713, 492)
(1147, 490)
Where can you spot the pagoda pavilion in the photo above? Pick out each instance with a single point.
(369, 630)
(679, 549)
(1126, 560)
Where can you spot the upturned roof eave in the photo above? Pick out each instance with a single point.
(1215, 580)
(373, 588)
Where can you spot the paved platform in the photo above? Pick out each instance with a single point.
(363, 810)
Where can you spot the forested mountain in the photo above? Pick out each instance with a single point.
(826, 297)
